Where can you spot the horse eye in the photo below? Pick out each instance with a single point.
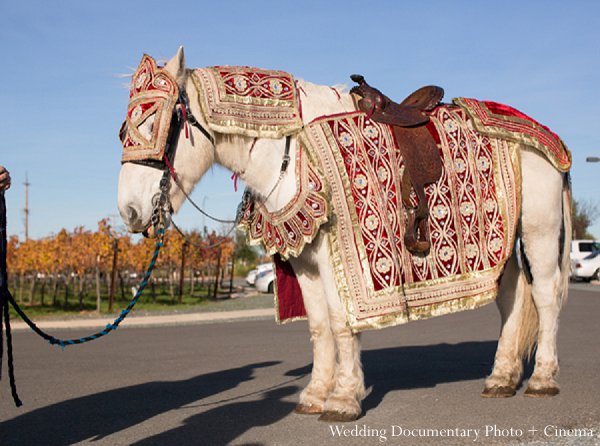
(123, 131)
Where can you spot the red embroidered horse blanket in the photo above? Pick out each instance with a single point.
(474, 211)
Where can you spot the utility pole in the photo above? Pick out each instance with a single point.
(218, 273)
(113, 274)
(26, 210)
(182, 272)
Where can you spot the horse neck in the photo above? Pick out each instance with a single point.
(258, 162)
(321, 100)
(194, 155)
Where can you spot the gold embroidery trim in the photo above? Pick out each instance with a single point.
(243, 115)
(529, 141)
(288, 230)
(164, 97)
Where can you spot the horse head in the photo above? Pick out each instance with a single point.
(164, 137)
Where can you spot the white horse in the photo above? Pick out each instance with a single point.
(530, 311)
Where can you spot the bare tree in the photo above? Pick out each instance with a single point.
(585, 213)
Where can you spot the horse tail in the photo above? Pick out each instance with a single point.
(565, 238)
(529, 323)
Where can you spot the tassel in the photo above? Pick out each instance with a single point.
(185, 120)
(235, 177)
(170, 167)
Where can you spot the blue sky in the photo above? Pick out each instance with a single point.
(62, 101)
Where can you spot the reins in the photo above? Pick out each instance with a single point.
(161, 212)
(171, 169)
(192, 243)
(6, 298)
(160, 218)
(109, 327)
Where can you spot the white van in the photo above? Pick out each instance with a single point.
(581, 249)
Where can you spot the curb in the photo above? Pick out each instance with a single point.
(152, 321)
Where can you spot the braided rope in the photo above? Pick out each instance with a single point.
(110, 327)
(5, 296)
(9, 354)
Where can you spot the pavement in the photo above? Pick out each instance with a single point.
(237, 383)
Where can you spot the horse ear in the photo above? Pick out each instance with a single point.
(176, 66)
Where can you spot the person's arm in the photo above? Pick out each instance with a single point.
(4, 179)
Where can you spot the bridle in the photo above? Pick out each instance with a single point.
(181, 116)
(161, 202)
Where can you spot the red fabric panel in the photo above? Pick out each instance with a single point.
(506, 110)
(289, 293)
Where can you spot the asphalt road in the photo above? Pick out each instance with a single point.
(238, 382)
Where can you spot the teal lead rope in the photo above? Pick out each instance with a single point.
(6, 298)
(109, 327)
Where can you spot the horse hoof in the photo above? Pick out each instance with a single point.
(338, 417)
(308, 409)
(542, 393)
(498, 392)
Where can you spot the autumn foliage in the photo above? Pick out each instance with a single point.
(63, 269)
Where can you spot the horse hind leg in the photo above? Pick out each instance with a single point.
(545, 220)
(546, 279)
(519, 328)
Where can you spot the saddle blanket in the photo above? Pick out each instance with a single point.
(502, 121)
(474, 209)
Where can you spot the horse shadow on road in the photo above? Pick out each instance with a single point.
(103, 414)
(414, 367)
(100, 415)
(418, 367)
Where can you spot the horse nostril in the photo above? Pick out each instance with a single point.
(132, 214)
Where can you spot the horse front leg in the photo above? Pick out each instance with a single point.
(313, 397)
(344, 403)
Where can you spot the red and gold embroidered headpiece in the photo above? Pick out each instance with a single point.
(153, 95)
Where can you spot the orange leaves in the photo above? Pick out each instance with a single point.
(80, 251)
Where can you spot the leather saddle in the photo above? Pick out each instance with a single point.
(420, 153)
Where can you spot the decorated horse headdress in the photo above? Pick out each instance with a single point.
(153, 95)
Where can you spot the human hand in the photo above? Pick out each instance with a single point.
(4, 179)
